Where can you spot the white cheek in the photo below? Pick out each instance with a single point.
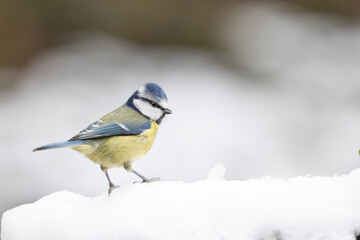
(148, 110)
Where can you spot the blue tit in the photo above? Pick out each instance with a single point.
(124, 135)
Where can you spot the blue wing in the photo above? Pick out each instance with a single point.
(100, 130)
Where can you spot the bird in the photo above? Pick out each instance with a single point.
(123, 135)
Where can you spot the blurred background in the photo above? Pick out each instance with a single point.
(266, 88)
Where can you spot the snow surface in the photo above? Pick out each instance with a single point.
(298, 208)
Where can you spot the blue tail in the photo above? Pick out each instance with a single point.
(60, 145)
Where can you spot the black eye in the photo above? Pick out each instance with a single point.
(154, 104)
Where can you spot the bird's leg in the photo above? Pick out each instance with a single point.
(145, 179)
(112, 186)
(129, 168)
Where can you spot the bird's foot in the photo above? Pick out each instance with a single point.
(111, 188)
(146, 180)
(157, 179)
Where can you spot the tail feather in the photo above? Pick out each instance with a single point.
(60, 145)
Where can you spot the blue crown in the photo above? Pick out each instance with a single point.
(155, 90)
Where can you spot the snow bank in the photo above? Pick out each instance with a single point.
(298, 208)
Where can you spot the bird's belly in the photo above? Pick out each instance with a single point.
(116, 151)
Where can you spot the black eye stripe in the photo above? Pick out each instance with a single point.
(152, 103)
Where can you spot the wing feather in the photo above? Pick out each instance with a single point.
(101, 130)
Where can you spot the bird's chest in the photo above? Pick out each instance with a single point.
(121, 149)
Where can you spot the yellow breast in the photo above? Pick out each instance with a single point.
(116, 151)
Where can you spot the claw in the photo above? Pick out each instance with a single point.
(157, 179)
(148, 180)
(111, 188)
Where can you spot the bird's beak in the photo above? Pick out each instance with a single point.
(167, 111)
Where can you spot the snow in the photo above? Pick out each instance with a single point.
(215, 208)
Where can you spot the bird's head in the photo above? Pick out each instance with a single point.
(150, 101)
